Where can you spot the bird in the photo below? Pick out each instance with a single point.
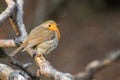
(43, 38)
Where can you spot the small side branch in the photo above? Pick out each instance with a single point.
(9, 10)
(13, 22)
(22, 67)
(19, 20)
(16, 20)
(7, 43)
(97, 65)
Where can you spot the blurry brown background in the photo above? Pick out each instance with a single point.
(89, 29)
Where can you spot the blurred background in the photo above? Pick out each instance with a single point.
(89, 30)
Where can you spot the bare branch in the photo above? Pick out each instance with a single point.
(7, 73)
(45, 69)
(7, 43)
(13, 22)
(22, 66)
(18, 75)
(97, 65)
(19, 20)
(9, 10)
(27, 74)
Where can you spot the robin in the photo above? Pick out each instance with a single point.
(44, 38)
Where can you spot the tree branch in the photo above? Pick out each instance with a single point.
(97, 65)
(9, 10)
(7, 73)
(18, 22)
(7, 43)
(46, 70)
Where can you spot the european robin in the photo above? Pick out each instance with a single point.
(44, 38)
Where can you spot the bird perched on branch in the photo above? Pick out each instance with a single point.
(44, 38)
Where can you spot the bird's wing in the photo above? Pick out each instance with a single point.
(39, 37)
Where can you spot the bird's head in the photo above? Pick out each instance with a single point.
(51, 25)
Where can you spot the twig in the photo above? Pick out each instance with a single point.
(13, 22)
(7, 43)
(22, 66)
(19, 20)
(9, 10)
(16, 20)
(97, 65)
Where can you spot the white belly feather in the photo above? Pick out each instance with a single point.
(47, 47)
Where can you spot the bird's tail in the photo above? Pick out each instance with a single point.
(16, 51)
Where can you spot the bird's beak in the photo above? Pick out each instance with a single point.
(55, 28)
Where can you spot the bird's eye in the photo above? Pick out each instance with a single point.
(49, 25)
